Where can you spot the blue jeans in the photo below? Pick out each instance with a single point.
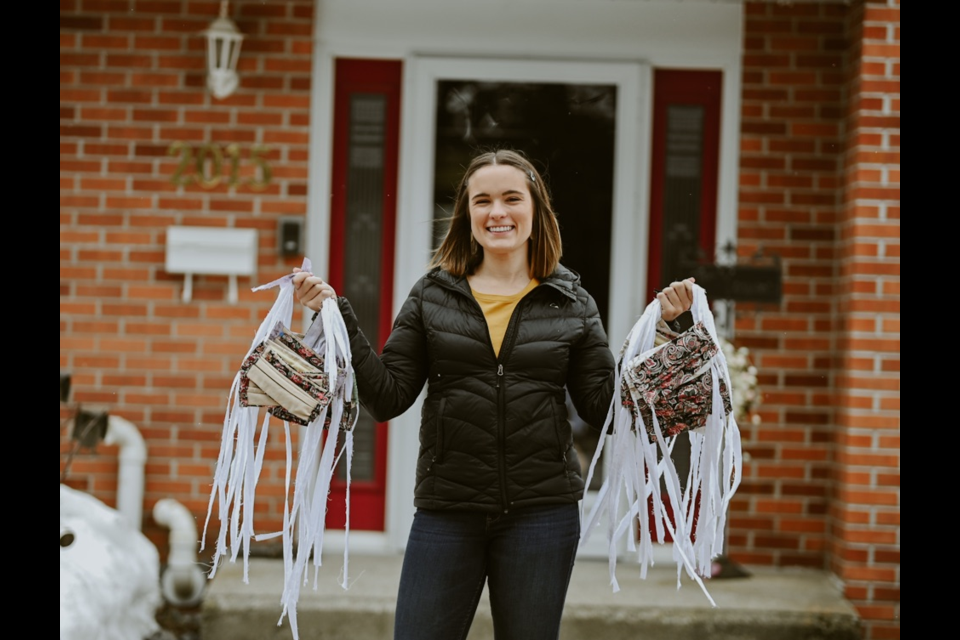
(526, 558)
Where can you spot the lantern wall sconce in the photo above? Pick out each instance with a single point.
(223, 51)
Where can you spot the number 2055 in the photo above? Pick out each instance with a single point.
(205, 166)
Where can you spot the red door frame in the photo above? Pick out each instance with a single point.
(671, 87)
(368, 498)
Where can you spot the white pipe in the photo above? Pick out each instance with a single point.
(182, 581)
(133, 459)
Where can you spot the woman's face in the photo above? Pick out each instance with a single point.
(501, 209)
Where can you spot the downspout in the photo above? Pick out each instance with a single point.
(133, 459)
(182, 582)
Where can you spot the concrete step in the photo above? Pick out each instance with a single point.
(769, 604)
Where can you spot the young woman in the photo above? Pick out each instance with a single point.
(500, 331)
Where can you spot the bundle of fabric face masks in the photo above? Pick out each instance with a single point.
(302, 379)
(289, 378)
(681, 386)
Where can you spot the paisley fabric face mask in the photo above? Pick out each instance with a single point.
(675, 380)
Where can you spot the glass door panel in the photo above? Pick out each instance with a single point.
(568, 131)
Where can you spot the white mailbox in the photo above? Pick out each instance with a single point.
(211, 251)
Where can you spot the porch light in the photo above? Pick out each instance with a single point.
(223, 51)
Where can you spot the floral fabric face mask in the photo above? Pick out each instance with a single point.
(286, 376)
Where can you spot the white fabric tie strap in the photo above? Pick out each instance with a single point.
(241, 459)
(642, 426)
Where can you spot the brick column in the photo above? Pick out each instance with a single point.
(865, 515)
(790, 199)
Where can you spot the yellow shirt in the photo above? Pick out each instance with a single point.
(498, 309)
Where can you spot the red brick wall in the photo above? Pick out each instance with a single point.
(132, 81)
(865, 517)
(791, 196)
(820, 185)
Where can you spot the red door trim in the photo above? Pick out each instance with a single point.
(368, 499)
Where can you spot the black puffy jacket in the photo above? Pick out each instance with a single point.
(494, 433)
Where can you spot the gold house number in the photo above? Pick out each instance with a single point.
(207, 165)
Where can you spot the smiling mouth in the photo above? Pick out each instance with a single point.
(499, 229)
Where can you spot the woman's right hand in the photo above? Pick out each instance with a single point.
(676, 299)
(311, 290)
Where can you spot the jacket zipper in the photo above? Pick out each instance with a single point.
(507, 346)
(502, 441)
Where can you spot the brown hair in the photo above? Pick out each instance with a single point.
(458, 255)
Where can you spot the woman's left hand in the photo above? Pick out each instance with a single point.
(676, 299)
